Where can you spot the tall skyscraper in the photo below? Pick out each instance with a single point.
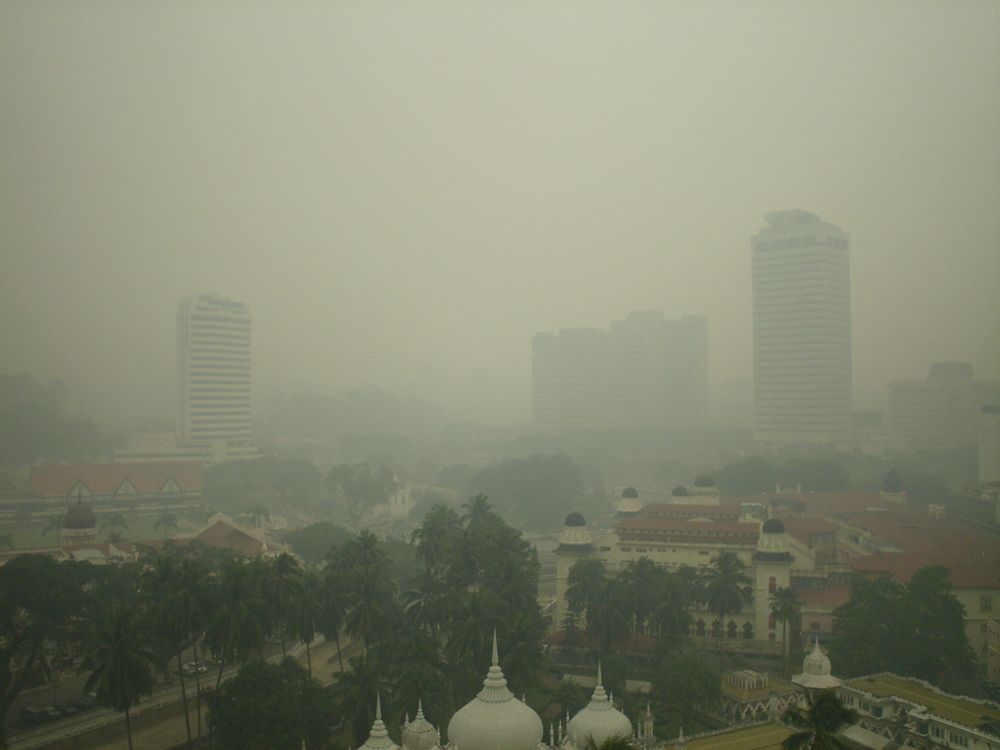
(213, 359)
(647, 371)
(801, 330)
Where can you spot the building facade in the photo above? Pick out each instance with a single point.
(214, 383)
(941, 411)
(801, 330)
(989, 444)
(646, 371)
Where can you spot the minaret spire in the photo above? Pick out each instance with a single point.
(496, 652)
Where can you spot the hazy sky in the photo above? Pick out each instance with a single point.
(405, 192)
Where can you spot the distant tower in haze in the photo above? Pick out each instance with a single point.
(213, 360)
(801, 330)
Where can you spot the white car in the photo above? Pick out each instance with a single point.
(194, 667)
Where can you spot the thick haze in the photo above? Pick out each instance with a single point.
(404, 193)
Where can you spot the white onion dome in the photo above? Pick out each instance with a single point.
(629, 505)
(598, 721)
(379, 738)
(816, 670)
(420, 734)
(574, 534)
(772, 543)
(495, 719)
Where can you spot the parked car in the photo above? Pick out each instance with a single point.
(194, 667)
(85, 702)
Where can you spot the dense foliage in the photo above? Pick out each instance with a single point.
(915, 629)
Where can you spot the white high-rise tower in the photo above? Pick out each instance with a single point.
(801, 330)
(213, 360)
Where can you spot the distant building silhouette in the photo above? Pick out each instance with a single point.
(942, 410)
(801, 330)
(647, 371)
(213, 362)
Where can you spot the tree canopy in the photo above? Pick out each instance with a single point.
(915, 629)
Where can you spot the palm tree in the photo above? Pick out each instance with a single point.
(819, 723)
(724, 588)
(159, 585)
(192, 603)
(355, 695)
(437, 534)
(584, 583)
(670, 617)
(641, 580)
(167, 522)
(332, 601)
(281, 585)
(305, 611)
(368, 587)
(786, 607)
(122, 659)
(236, 628)
(607, 619)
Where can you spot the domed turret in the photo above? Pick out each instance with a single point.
(704, 491)
(420, 734)
(816, 671)
(629, 504)
(772, 544)
(79, 523)
(598, 721)
(679, 491)
(495, 719)
(575, 537)
(379, 738)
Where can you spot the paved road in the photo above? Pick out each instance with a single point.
(171, 731)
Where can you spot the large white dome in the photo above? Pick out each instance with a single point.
(598, 721)
(495, 719)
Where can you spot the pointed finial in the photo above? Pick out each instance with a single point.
(599, 681)
(496, 652)
(378, 705)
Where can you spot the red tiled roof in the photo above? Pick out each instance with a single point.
(58, 480)
(680, 511)
(817, 503)
(803, 527)
(666, 529)
(221, 534)
(966, 572)
(830, 598)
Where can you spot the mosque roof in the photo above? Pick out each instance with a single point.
(958, 708)
(598, 721)
(630, 492)
(495, 719)
(816, 670)
(575, 519)
(148, 478)
(420, 734)
(379, 738)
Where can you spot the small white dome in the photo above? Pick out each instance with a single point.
(816, 670)
(598, 721)
(495, 719)
(816, 662)
(420, 734)
(379, 738)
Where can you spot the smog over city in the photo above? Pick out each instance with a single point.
(351, 347)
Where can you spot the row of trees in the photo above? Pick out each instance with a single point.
(645, 598)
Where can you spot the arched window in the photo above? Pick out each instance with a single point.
(772, 585)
